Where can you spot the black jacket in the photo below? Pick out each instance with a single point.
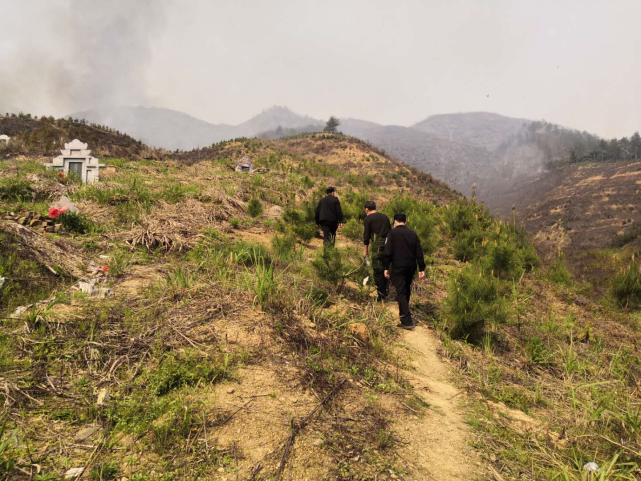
(329, 210)
(375, 224)
(403, 249)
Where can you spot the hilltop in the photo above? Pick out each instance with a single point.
(46, 136)
(233, 345)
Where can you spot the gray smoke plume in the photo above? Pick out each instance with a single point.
(80, 54)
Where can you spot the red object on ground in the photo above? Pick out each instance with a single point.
(104, 268)
(54, 212)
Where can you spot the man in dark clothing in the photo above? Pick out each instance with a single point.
(329, 215)
(403, 250)
(376, 229)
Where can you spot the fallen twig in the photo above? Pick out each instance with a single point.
(296, 428)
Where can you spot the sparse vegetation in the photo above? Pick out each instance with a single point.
(186, 346)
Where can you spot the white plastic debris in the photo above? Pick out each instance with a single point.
(64, 201)
(103, 397)
(92, 291)
(591, 466)
(2, 279)
(365, 281)
(74, 472)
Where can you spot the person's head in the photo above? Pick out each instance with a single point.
(399, 219)
(370, 206)
(330, 191)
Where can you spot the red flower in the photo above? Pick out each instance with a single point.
(104, 268)
(54, 212)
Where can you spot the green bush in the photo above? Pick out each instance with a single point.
(502, 259)
(76, 223)
(471, 244)
(284, 247)
(14, 189)
(463, 215)
(305, 231)
(353, 229)
(189, 369)
(558, 272)
(328, 265)
(626, 286)
(473, 300)
(254, 208)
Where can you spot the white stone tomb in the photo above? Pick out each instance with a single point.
(78, 161)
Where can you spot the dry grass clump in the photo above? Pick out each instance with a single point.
(177, 227)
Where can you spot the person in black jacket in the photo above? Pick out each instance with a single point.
(329, 215)
(403, 251)
(376, 227)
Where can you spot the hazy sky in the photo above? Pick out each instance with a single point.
(573, 62)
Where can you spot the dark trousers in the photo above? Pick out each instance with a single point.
(402, 279)
(382, 283)
(329, 231)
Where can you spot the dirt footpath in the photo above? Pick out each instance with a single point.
(438, 444)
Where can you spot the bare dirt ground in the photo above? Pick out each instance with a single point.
(438, 444)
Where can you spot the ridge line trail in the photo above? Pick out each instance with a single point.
(438, 443)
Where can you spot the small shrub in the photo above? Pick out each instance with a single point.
(558, 272)
(76, 223)
(502, 259)
(284, 246)
(353, 229)
(104, 471)
(328, 265)
(470, 245)
(307, 182)
(235, 223)
(626, 286)
(254, 208)
(473, 299)
(537, 351)
(14, 189)
(119, 262)
(305, 231)
(189, 369)
(463, 215)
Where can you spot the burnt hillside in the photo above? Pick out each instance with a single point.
(46, 136)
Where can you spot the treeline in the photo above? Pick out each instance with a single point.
(558, 145)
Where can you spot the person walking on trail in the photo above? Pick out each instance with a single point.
(404, 252)
(376, 228)
(329, 215)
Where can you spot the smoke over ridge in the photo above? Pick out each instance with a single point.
(85, 54)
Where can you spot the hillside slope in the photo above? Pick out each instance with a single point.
(583, 208)
(46, 136)
(234, 345)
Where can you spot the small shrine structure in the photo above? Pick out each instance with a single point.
(76, 160)
(4, 139)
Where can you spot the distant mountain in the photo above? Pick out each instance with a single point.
(159, 127)
(494, 151)
(173, 130)
(456, 163)
(481, 129)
